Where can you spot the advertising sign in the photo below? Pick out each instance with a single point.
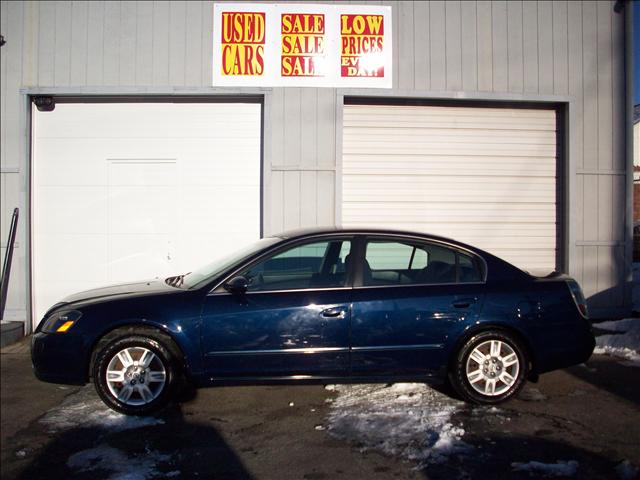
(302, 45)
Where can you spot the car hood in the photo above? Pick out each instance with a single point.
(143, 288)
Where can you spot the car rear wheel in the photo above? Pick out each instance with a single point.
(490, 368)
(135, 375)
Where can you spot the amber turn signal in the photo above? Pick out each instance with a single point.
(65, 326)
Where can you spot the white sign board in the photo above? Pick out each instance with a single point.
(302, 45)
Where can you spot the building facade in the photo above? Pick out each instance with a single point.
(508, 126)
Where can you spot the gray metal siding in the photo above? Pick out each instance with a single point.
(572, 49)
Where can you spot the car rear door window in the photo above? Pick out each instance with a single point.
(389, 255)
(468, 268)
(312, 265)
(406, 263)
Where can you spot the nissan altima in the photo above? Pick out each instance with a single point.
(323, 306)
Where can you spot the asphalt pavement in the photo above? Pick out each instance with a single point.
(588, 414)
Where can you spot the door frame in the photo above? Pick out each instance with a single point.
(216, 289)
(360, 289)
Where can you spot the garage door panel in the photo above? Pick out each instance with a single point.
(85, 209)
(380, 211)
(66, 256)
(450, 117)
(57, 167)
(415, 194)
(135, 209)
(453, 112)
(381, 146)
(538, 124)
(459, 135)
(484, 176)
(135, 256)
(456, 230)
(154, 121)
(239, 163)
(142, 172)
(222, 208)
(449, 165)
(142, 196)
(125, 191)
(438, 189)
(165, 147)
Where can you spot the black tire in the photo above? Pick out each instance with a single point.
(458, 370)
(163, 355)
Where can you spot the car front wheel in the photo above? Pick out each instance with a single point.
(490, 368)
(135, 375)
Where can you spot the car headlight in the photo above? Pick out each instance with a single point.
(60, 322)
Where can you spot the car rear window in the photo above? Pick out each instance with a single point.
(390, 262)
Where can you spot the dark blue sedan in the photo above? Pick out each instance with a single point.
(320, 306)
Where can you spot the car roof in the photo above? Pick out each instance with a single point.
(309, 232)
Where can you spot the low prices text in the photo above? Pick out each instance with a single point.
(362, 38)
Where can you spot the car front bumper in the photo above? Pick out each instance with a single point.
(59, 358)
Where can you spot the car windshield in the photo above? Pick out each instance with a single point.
(199, 277)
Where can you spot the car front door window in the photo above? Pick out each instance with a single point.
(312, 265)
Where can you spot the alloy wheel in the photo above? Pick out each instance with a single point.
(492, 367)
(135, 376)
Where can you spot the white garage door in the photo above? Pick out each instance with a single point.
(484, 176)
(126, 192)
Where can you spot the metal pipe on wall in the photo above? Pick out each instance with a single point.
(8, 256)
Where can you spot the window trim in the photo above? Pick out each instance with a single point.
(362, 244)
(415, 285)
(354, 280)
(218, 288)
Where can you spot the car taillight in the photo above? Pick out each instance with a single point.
(578, 297)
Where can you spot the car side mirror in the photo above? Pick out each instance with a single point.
(238, 285)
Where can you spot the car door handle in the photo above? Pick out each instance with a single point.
(333, 312)
(463, 303)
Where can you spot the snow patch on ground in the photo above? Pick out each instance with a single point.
(117, 463)
(558, 469)
(85, 410)
(626, 471)
(577, 393)
(624, 342)
(409, 420)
